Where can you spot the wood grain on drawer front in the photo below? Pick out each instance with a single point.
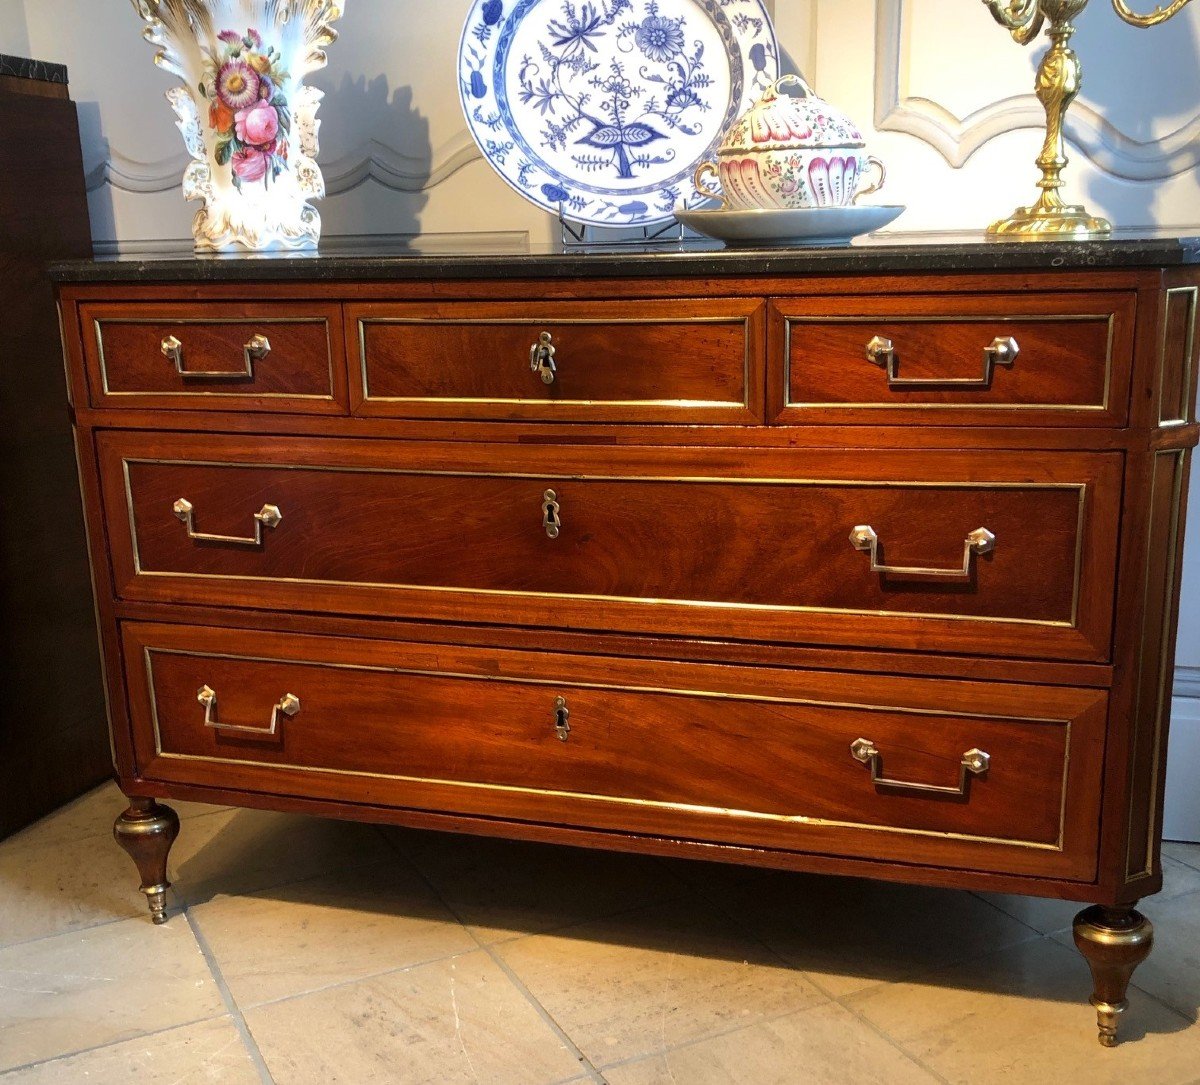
(303, 372)
(751, 544)
(649, 361)
(1071, 368)
(750, 756)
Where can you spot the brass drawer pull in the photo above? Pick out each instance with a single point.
(973, 763)
(541, 358)
(287, 705)
(267, 516)
(551, 520)
(1001, 351)
(980, 541)
(562, 719)
(255, 350)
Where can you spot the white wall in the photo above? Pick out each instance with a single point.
(941, 91)
(14, 34)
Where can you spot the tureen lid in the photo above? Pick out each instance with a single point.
(784, 121)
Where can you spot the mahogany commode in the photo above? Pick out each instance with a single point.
(855, 561)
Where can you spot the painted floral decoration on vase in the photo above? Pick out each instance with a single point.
(247, 109)
(245, 113)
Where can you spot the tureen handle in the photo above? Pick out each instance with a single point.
(878, 184)
(703, 169)
(790, 81)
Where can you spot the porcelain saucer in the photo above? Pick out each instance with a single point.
(806, 227)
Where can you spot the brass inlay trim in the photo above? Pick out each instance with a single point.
(1162, 693)
(1185, 391)
(659, 804)
(1072, 623)
(1040, 318)
(691, 404)
(242, 393)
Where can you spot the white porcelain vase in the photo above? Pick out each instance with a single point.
(246, 115)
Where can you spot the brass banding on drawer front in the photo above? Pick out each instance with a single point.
(607, 361)
(749, 544)
(1006, 360)
(579, 740)
(267, 356)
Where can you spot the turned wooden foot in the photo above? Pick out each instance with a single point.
(1113, 941)
(146, 831)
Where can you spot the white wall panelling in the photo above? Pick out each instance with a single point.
(956, 137)
(942, 93)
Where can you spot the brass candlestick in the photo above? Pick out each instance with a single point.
(1059, 78)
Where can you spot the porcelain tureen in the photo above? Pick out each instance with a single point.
(791, 151)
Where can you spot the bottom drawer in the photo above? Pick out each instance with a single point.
(985, 776)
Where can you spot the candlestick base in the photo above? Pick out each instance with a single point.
(1040, 223)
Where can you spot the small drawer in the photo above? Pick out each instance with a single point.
(994, 553)
(996, 360)
(221, 356)
(692, 361)
(991, 776)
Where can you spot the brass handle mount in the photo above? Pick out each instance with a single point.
(866, 538)
(255, 349)
(974, 763)
(267, 516)
(881, 351)
(541, 358)
(287, 705)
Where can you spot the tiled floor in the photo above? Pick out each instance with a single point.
(307, 951)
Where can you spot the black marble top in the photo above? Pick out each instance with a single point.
(23, 68)
(464, 258)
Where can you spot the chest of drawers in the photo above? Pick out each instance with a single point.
(833, 562)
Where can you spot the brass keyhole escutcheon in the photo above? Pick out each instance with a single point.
(541, 358)
(562, 719)
(551, 514)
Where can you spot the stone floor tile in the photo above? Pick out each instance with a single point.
(1183, 852)
(242, 851)
(206, 1053)
(91, 815)
(306, 935)
(66, 886)
(445, 1023)
(1020, 1015)
(1043, 914)
(827, 1045)
(848, 934)
(76, 991)
(643, 982)
(504, 888)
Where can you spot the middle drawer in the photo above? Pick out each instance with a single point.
(976, 552)
(695, 361)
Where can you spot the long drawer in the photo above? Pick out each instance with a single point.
(989, 776)
(1037, 359)
(971, 552)
(686, 360)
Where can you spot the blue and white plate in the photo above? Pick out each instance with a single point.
(603, 108)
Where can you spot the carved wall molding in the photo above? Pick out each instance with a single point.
(1187, 682)
(957, 138)
(374, 160)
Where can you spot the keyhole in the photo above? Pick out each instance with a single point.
(562, 717)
